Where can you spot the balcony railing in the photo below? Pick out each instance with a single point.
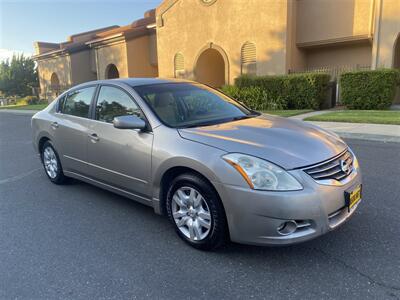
(334, 72)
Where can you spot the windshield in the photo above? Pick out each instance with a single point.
(182, 105)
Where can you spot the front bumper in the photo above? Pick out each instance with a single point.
(254, 216)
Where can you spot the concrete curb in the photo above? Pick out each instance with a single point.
(369, 137)
(372, 132)
(19, 111)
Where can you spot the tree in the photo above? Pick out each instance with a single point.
(18, 76)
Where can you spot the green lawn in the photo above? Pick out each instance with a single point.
(25, 107)
(287, 113)
(360, 116)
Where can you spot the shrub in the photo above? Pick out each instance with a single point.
(28, 100)
(369, 89)
(297, 91)
(32, 100)
(232, 91)
(21, 101)
(253, 97)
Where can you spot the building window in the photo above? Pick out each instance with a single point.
(179, 65)
(249, 59)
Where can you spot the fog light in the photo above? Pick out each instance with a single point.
(287, 227)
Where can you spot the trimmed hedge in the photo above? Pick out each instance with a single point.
(369, 89)
(253, 97)
(296, 91)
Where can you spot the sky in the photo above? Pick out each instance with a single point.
(23, 22)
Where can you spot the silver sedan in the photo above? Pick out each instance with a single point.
(217, 169)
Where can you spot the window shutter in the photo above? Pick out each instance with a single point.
(249, 58)
(179, 65)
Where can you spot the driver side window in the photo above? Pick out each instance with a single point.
(113, 102)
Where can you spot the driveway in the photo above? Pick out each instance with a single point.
(80, 242)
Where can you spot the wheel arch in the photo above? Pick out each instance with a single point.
(170, 171)
(41, 142)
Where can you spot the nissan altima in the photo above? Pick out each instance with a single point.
(217, 169)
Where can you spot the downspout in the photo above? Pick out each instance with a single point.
(96, 58)
(377, 35)
(371, 20)
(70, 70)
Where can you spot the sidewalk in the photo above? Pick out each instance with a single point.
(19, 111)
(373, 132)
(311, 114)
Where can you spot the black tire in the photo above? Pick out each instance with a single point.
(218, 232)
(59, 178)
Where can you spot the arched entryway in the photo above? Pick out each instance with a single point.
(211, 67)
(112, 72)
(396, 57)
(55, 84)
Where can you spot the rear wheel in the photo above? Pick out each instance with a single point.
(196, 212)
(52, 164)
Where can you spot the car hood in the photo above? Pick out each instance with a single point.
(288, 143)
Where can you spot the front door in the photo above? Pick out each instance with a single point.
(119, 157)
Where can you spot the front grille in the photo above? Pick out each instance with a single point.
(336, 168)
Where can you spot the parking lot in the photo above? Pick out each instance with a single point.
(81, 242)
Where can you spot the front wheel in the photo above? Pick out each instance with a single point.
(196, 212)
(52, 164)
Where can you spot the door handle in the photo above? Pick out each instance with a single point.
(54, 125)
(94, 137)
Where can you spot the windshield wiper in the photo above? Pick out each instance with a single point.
(204, 124)
(244, 117)
(210, 123)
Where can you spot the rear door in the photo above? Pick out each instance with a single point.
(119, 157)
(71, 129)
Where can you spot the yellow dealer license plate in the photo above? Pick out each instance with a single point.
(353, 197)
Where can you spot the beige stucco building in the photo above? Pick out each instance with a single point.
(127, 51)
(215, 41)
(66, 64)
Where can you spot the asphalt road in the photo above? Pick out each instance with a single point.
(80, 242)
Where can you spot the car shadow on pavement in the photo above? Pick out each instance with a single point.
(161, 222)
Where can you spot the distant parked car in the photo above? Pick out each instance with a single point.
(217, 169)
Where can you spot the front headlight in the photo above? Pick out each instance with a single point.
(261, 174)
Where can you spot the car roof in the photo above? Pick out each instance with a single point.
(149, 81)
(136, 81)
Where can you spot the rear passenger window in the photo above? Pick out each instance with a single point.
(113, 102)
(77, 102)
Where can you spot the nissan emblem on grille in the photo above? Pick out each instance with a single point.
(336, 168)
(345, 167)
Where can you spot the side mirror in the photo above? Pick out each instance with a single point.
(129, 122)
